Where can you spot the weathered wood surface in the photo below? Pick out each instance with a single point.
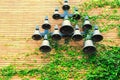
(18, 19)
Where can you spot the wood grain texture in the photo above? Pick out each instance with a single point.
(18, 19)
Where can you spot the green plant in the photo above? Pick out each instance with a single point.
(23, 72)
(119, 30)
(115, 3)
(8, 72)
(106, 28)
(73, 21)
(114, 17)
(25, 79)
(106, 66)
(66, 65)
(99, 3)
(115, 11)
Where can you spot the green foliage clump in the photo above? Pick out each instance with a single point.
(108, 27)
(25, 79)
(119, 30)
(115, 4)
(106, 66)
(8, 72)
(114, 17)
(69, 63)
(100, 3)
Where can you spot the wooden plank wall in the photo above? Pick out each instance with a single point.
(18, 19)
